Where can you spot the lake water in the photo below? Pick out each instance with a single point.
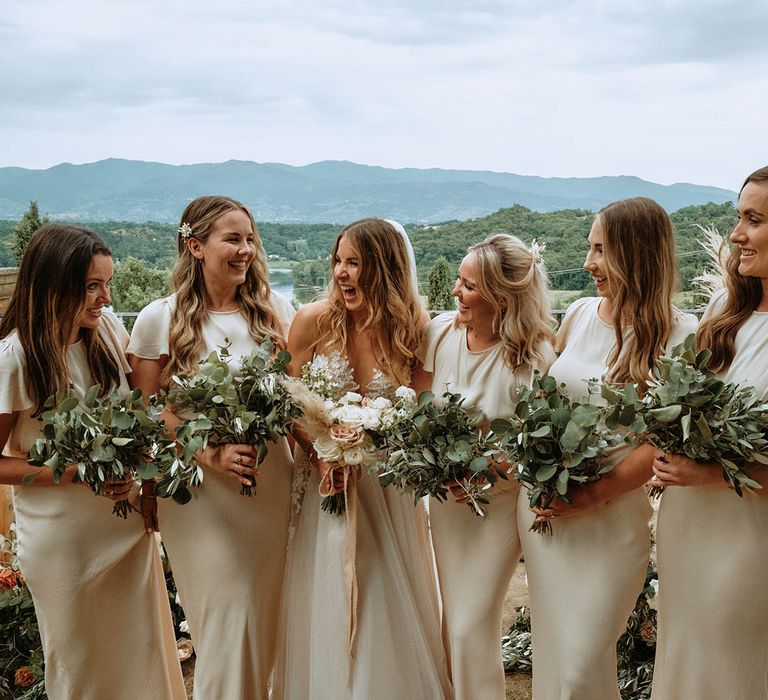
(281, 280)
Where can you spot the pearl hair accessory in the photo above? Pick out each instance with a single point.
(185, 230)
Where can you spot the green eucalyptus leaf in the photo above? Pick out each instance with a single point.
(667, 414)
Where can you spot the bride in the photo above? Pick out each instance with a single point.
(370, 570)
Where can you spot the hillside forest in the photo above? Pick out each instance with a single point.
(145, 253)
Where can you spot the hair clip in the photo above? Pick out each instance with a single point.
(536, 250)
(185, 230)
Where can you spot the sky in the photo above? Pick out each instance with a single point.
(670, 91)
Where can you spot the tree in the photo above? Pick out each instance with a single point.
(440, 285)
(310, 277)
(23, 231)
(134, 285)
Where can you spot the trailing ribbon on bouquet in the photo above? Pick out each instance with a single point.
(349, 563)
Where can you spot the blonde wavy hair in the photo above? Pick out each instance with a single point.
(743, 296)
(639, 254)
(384, 280)
(510, 276)
(185, 341)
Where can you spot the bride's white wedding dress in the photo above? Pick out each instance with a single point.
(397, 650)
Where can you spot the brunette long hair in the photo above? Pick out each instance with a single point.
(639, 254)
(48, 299)
(388, 295)
(743, 296)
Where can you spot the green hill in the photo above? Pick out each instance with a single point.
(337, 191)
(564, 233)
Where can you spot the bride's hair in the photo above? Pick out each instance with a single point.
(510, 277)
(385, 283)
(639, 254)
(185, 340)
(743, 296)
(49, 297)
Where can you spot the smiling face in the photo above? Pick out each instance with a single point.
(474, 309)
(228, 250)
(346, 274)
(595, 262)
(97, 294)
(751, 233)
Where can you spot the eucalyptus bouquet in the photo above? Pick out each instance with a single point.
(437, 443)
(251, 408)
(105, 438)
(555, 443)
(344, 426)
(687, 410)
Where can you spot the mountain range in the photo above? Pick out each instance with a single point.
(328, 191)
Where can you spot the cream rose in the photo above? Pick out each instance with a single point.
(347, 436)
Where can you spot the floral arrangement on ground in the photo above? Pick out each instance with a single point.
(21, 653)
(21, 656)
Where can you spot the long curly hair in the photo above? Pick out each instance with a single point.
(388, 296)
(49, 297)
(639, 254)
(511, 277)
(185, 340)
(743, 296)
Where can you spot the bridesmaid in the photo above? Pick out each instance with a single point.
(373, 317)
(485, 351)
(227, 550)
(96, 580)
(712, 547)
(585, 579)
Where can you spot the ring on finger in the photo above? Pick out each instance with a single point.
(240, 459)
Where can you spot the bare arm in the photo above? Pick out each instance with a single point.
(145, 375)
(421, 380)
(632, 472)
(679, 470)
(301, 340)
(14, 469)
(301, 343)
(237, 461)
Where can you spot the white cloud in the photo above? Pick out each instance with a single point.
(672, 92)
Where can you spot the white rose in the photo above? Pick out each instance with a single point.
(349, 414)
(371, 419)
(380, 403)
(405, 393)
(351, 397)
(327, 449)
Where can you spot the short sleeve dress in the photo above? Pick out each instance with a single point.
(584, 580)
(227, 551)
(475, 556)
(712, 558)
(96, 579)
